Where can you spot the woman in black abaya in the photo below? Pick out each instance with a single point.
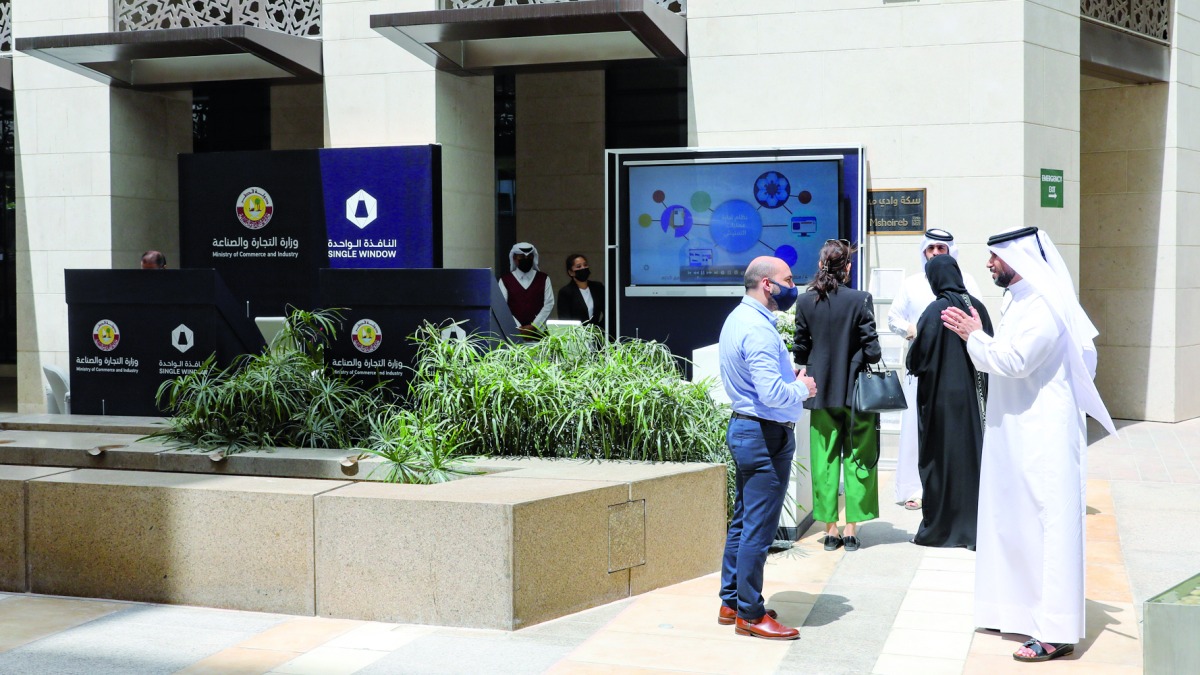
(950, 401)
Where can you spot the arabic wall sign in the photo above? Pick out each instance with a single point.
(896, 211)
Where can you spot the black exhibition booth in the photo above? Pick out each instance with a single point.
(131, 330)
(260, 232)
(374, 344)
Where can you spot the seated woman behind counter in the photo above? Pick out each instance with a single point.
(581, 299)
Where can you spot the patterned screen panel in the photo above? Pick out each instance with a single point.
(6, 26)
(677, 6)
(1151, 18)
(294, 17)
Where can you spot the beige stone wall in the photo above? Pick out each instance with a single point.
(149, 131)
(63, 171)
(97, 186)
(1128, 257)
(1183, 165)
(560, 169)
(297, 116)
(1141, 183)
(465, 131)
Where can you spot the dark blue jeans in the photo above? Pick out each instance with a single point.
(763, 455)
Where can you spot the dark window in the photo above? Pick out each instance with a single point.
(506, 167)
(645, 105)
(231, 116)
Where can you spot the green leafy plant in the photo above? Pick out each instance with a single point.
(284, 396)
(572, 394)
(417, 450)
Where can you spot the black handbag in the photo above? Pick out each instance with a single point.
(877, 391)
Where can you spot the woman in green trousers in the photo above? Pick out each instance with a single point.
(835, 338)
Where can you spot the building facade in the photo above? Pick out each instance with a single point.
(970, 100)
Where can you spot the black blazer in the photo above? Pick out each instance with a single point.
(835, 338)
(572, 307)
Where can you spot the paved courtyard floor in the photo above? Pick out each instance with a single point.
(890, 607)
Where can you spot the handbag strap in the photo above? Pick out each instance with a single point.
(978, 379)
(849, 443)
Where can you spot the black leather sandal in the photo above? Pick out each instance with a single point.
(1040, 653)
(832, 542)
(852, 543)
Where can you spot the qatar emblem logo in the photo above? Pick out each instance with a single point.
(254, 208)
(366, 336)
(106, 335)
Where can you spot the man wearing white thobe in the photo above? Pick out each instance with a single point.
(1029, 566)
(908, 305)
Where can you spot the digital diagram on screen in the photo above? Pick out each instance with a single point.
(701, 224)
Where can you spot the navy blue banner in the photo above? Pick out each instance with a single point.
(381, 206)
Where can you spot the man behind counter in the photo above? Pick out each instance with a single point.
(154, 260)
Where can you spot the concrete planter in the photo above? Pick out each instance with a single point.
(97, 514)
(1171, 623)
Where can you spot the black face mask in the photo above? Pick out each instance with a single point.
(583, 274)
(525, 265)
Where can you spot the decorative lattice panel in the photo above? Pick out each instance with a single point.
(294, 17)
(6, 26)
(154, 14)
(677, 6)
(1151, 18)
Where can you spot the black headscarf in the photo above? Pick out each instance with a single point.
(927, 352)
(946, 280)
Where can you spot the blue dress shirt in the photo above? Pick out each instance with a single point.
(756, 368)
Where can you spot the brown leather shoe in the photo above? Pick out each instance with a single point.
(765, 628)
(727, 615)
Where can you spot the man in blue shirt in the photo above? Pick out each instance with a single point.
(767, 395)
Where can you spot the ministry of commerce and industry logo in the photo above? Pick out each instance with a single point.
(106, 335)
(366, 336)
(254, 208)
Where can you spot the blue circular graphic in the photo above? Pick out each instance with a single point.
(676, 218)
(787, 254)
(736, 226)
(772, 189)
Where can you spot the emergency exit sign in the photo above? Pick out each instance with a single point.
(1052, 188)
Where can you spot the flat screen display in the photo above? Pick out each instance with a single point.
(694, 224)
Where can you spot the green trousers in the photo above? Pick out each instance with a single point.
(832, 458)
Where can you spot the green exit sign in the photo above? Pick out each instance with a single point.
(1052, 188)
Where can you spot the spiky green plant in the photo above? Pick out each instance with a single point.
(284, 396)
(573, 394)
(417, 450)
